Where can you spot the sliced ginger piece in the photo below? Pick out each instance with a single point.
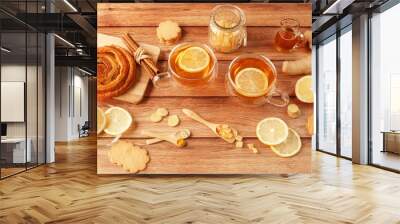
(293, 110)
(163, 112)
(155, 117)
(173, 120)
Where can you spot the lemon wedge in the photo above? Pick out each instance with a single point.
(118, 121)
(101, 120)
(251, 82)
(193, 59)
(304, 90)
(290, 147)
(272, 131)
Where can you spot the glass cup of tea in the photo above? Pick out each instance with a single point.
(192, 64)
(289, 37)
(252, 79)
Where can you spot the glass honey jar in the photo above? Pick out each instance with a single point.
(227, 28)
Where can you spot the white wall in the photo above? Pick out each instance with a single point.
(16, 73)
(69, 82)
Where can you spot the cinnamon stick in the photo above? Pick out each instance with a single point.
(148, 64)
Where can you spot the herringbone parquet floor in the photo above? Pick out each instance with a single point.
(69, 191)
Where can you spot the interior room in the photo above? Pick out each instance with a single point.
(49, 133)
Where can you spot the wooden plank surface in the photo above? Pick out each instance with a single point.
(211, 156)
(207, 154)
(260, 41)
(214, 109)
(197, 14)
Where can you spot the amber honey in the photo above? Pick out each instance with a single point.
(183, 74)
(289, 36)
(286, 40)
(254, 66)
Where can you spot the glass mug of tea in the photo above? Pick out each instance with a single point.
(192, 64)
(289, 37)
(252, 79)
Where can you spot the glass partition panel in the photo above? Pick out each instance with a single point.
(22, 67)
(385, 89)
(327, 96)
(14, 153)
(32, 88)
(31, 98)
(41, 78)
(346, 75)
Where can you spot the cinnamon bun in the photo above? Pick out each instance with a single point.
(116, 71)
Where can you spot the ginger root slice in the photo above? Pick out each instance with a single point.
(155, 117)
(173, 120)
(293, 110)
(163, 112)
(298, 67)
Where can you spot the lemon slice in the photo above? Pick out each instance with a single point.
(193, 59)
(272, 131)
(251, 82)
(304, 90)
(101, 120)
(118, 121)
(290, 147)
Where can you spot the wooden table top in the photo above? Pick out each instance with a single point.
(205, 153)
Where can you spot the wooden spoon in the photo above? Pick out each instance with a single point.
(184, 133)
(172, 138)
(213, 126)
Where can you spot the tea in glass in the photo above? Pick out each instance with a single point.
(192, 64)
(252, 79)
(289, 36)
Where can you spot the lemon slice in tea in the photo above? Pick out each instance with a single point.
(304, 90)
(290, 147)
(118, 121)
(251, 82)
(272, 131)
(101, 120)
(193, 59)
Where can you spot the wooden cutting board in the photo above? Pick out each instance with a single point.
(136, 93)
